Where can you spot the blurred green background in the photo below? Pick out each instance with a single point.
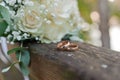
(94, 12)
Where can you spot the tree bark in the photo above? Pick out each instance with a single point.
(87, 63)
(104, 27)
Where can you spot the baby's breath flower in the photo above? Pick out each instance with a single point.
(28, 3)
(7, 30)
(36, 38)
(25, 36)
(16, 35)
(9, 36)
(11, 2)
(48, 20)
(19, 1)
(19, 38)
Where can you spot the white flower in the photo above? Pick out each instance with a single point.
(9, 36)
(25, 35)
(19, 38)
(28, 3)
(11, 2)
(8, 29)
(30, 20)
(16, 35)
(19, 1)
(50, 20)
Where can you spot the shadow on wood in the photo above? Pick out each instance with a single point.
(88, 63)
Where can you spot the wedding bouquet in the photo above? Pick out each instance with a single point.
(45, 21)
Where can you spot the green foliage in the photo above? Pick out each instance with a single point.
(25, 54)
(24, 68)
(85, 10)
(117, 13)
(4, 19)
(67, 37)
(114, 10)
(3, 26)
(23, 57)
(5, 14)
(15, 50)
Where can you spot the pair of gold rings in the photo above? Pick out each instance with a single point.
(67, 46)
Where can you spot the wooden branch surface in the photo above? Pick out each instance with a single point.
(88, 63)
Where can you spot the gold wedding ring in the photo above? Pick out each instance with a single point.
(67, 46)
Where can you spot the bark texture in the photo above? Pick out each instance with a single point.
(87, 63)
(104, 19)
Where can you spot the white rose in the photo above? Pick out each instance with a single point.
(30, 19)
(45, 20)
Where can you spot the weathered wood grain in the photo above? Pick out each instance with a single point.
(88, 63)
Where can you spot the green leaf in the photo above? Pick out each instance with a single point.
(9, 67)
(24, 69)
(25, 57)
(1, 16)
(14, 50)
(67, 37)
(3, 26)
(5, 14)
(18, 54)
(1, 20)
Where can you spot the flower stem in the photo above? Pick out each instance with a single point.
(20, 56)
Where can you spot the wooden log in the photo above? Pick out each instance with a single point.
(87, 63)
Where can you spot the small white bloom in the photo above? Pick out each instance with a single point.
(9, 36)
(12, 13)
(42, 6)
(11, 2)
(55, 4)
(15, 35)
(28, 3)
(19, 32)
(45, 19)
(19, 1)
(53, 15)
(8, 29)
(19, 38)
(36, 38)
(46, 11)
(48, 22)
(25, 35)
